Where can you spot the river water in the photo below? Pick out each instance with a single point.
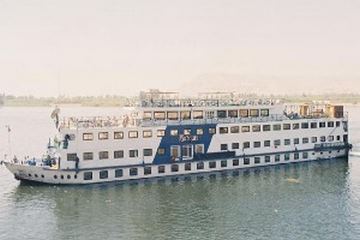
(254, 204)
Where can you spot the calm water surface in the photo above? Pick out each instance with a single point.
(255, 204)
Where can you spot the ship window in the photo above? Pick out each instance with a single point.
(277, 127)
(161, 169)
(159, 115)
(198, 114)
(287, 126)
(223, 147)
(266, 128)
(322, 124)
(330, 138)
(254, 113)
(187, 131)
(175, 151)
(200, 165)
(185, 115)
(245, 129)
(103, 135)
(233, 113)
(133, 134)
(277, 158)
(103, 155)
(235, 162)
(314, 139)
(246, 161)
(88, 136)
(223, 163)
(174, 132)
(305, 125)
(277, 143)
(287, 142)
(246, 145)
(161, 151)
(187, 150)
(313, 125)
(68, 176)
(267, 143)
(118, 135)
(148, 152)
(147, 133)
(244, 113)
(147, 170)
(305, 140)
(296, 156)
(71, 156)
(295, 126)
(173, 116)
(221, 114)
(133, 153)
(330, 124)
(267, 159)
(338, 123)
(118, 154)
(199, 131)
(88, 176)
(118, 173)
(265, 112)
(174, 168)
(235, 129)
(338, 138)
(223, 130)
(212, 130)
(256, 128)
(287, 157)
(88, 156)
(257, 144)
(322, 139)
(133, 171)
(199, 148)
(296, 141)
(235, 146)
(305, 155)
(147, 116)
(103, 174)
(187, 166)
(209, 114)
(160, 133)
(257, 160)
(212, 164)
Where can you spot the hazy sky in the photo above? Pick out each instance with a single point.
(88, 47)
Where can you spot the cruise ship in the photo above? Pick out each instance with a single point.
(169, 135)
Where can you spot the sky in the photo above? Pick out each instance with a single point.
(97, 47)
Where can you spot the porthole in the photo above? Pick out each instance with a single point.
(36, 175)
(62, 176)
(75, 176)
(42, 175)
(68, 177)
(55, 176)
(29, 175)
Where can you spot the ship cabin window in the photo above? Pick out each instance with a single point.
(295, 126)
(246, 145)
(331, 138)
(212, 130)
(322, 139)
(199, 131)
(88, 156)
(133, 171)
(267, 159)
(209, 114)
(161, 151)
(133, 134)
(118, 135)
(287, 126)
(235, 129)
(147, 116)
(267, 143)
(305, 140)
(174, 132)
(223, 130)
(174, 116)
(174, 168)
(244, 113)
(245, 129)
(296, 156)
(103, 174)
(148, 152)
(187, 131)
(313, 125)
(314, 140)
(330, 124)
(257, 160)
(199, 149)
(266, 128)
(296, 141)
(233, 113)
(254, 112)
(287, 157)
(277, 127)
(221, 114)
(235, 146)
(103, 135)
(235, 162)
(187, 151)
(305, 125)
(338, 138)
(277, 142)
(147, 170)
(212, 164)
(159, 116)
(147, 134)
(277, 158)
(133, 153)
(103, 155)
(257, 144)
(265, 112)
(185, 115)
(338, 123)
(71, 156)
(198, 114)
(118, 173)
(256, 128)
(160, 133)
(322, 124)
(70, 136)
(287, 142)
(88, 176)
(118, 154)
(200, 165)
(175, 152)
(223, 147)
(246, 161)
(161, 169)
(187, 167)
(305, 155)
(88, 136)
(223, 163)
